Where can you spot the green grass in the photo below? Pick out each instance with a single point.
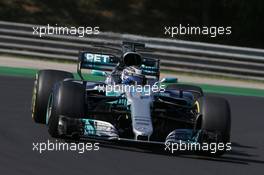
(26, 72)
(17, 71)
(222, 77)
(30, 73)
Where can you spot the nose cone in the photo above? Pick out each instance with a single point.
(141, 116)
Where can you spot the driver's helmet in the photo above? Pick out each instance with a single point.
(132, 75)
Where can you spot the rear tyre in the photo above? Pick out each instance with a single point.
(216, 117)
(44, 82)
(67, 99)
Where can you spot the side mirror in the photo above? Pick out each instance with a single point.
(98, 73)
(169, 80)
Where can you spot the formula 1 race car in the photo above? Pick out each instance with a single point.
(131, 104)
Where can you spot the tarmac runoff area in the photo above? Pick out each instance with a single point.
(18, 132)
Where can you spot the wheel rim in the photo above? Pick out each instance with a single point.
(34, 97)
(49, 108)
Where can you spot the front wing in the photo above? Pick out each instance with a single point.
(104, 131)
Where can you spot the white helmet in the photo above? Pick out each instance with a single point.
(132, 75)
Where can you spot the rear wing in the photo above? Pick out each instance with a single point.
(96, 61)
(151, 67)
(107, 62)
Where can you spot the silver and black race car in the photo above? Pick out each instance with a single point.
(132, 104)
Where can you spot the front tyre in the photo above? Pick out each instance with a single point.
(44, 82)
(215, 117)
(67, 99)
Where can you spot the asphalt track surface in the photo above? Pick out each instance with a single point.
(18, 132)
